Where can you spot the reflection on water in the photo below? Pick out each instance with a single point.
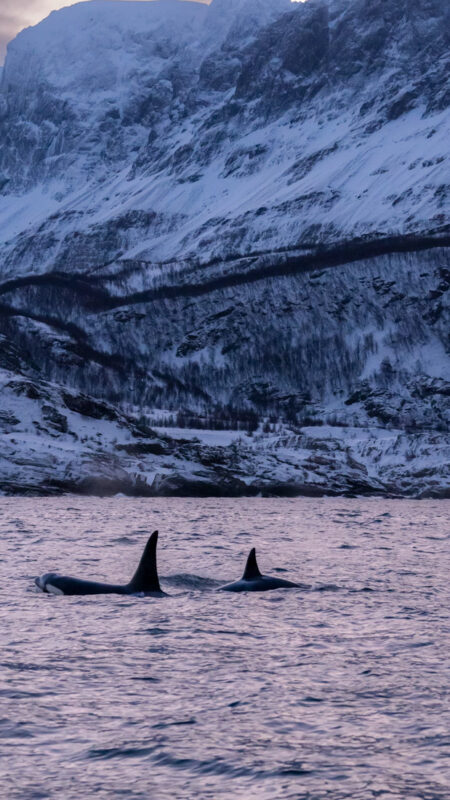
(335, 690)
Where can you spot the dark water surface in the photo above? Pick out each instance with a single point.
(336, 690)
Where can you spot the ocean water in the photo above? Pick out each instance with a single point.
(339, 689)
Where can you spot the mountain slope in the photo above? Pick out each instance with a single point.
(237, 210)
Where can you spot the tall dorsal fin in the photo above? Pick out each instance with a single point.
(251, 568)
(145, 579)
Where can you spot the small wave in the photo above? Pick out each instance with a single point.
(20, 666)
(421, 644)
(191, 721)
(14, 730)
(327, 587)
(219, 766)
(158, 631)
(123, 540)
(293, 771)
(363, 589)
(224, 632)
(18, 694)
(118, 752)
(213, 766)
(185, 580)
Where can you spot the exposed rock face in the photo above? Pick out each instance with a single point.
(240, 211)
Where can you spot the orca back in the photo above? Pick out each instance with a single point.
(145, 579)
(253, 581)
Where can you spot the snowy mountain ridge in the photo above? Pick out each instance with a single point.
(234, 209)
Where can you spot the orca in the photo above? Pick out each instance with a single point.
(253, 581)
(144, 581)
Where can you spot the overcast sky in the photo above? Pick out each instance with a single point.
(18, 14)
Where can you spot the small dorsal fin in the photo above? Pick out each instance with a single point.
(145, 579)
(251, 568)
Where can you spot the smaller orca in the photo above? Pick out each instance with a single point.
(144, 581)
(253, 581)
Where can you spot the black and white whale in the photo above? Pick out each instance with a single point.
(144, 581)
(253, 581)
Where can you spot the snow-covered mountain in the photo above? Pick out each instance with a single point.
(231, 213)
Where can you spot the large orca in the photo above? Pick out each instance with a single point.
(253, 581)
(144, 581)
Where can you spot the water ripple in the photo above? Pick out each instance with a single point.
(337, 690)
